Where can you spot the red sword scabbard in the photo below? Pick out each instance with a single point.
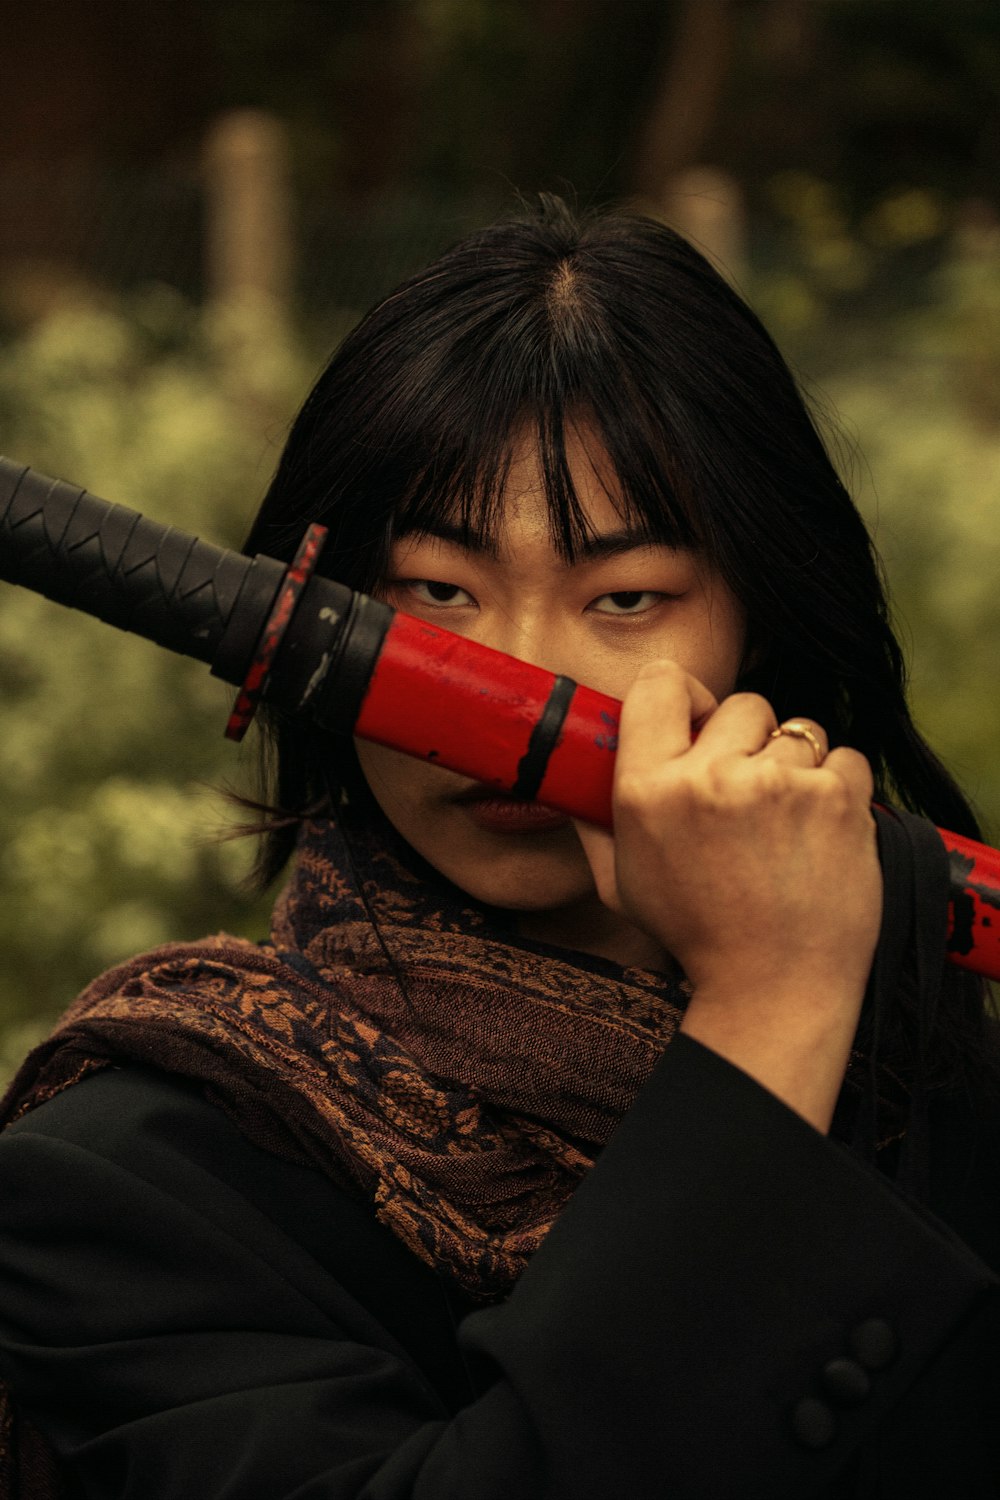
(313, 648)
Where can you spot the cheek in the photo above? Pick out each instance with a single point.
(409, 791)
(377, 762)
(396, 780)
(492, 868)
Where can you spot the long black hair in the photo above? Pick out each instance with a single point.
(547, 318)
(544, 318)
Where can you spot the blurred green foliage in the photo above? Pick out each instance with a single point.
(891, 319)
(110, 749)
(926, 421)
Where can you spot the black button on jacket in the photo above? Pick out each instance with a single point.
(189, 1318)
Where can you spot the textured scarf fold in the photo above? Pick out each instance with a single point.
(459, 1078)
(403, 1039)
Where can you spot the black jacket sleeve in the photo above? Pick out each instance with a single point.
(729, 1306)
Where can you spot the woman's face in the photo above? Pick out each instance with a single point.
(597, 621)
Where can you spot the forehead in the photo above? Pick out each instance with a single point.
(528, 499)
(575, 505)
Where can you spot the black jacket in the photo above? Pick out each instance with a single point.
(731, 1308)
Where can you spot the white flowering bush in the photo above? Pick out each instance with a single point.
(917, 392)
(925, 416)
(112, 753)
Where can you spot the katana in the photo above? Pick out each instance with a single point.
(312, 647)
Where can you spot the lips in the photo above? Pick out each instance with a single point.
(499, 812)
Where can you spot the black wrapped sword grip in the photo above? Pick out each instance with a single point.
(207, 602)
(112, 562)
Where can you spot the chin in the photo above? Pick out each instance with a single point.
(530, 872)
(520, 889)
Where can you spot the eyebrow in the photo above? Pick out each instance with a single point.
(608, 544)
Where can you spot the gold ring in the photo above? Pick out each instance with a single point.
(796, 730)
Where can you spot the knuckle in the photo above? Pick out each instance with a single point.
(730, 790)
(842, 803)
(629, 791)
(753, 702)
(774, 779)
(637, 791)
(857, 762)
(833, 792)
(713, 786)
(854, 769)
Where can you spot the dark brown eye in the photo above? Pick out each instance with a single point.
(432, 591)
(629, 601)
(439, 592)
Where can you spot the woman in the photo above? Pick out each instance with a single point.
(527, 1160)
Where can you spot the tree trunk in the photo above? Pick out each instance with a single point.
(684, 107)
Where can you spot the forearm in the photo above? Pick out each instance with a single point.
(793, 1036)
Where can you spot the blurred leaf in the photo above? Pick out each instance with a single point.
(106, 742)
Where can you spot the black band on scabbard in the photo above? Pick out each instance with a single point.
(534, 763)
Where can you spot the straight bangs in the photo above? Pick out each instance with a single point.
(535, 376)
(613, 329)
(466, 486)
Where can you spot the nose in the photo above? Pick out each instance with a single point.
(535, 636)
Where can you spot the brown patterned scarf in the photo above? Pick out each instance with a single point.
(395, 1034)
(459, 1078)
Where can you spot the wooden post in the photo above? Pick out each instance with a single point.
(692, 74)
(248, 232)
(706, 206)
(249, 265)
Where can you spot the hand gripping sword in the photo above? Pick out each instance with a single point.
(315, 648)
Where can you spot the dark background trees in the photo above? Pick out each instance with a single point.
(440, 103)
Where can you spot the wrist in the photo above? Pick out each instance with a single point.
(793, 1038)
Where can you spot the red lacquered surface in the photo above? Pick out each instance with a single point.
(472, 709)
(974, 909)
(582, 765)
(451, 701)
